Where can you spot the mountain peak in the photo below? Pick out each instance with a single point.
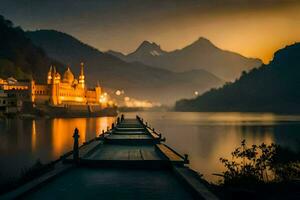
(202, 41)
(151, 48)
(149, 45)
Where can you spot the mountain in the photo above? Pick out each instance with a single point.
(202, 54)
(146, 51)
(270, 88)
(137, 79)
(117, 54)
(19, 57)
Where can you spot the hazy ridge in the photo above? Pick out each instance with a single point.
(201, 54)
(137, 79)
(270, 88)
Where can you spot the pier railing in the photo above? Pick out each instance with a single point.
(168, 159)
(148, 128)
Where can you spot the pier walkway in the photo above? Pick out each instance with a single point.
(130, 161)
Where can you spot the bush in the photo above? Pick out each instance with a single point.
(260, 164)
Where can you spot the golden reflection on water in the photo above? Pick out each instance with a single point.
(33, 136)
(206, 137)
(62, 131)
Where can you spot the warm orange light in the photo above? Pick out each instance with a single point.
(118, 92)
(63, 129)
(33, 136)
(103, 99)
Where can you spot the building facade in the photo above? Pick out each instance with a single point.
(59, 91)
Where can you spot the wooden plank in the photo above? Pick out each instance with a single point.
(154, 135)
(124, 152)
(86, 149)
(195, 182)
(129, 133)
(134, 154)
(169, 153)
(129, 129)
(149, 155)
(126, 137)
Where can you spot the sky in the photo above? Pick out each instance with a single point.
(253, 28)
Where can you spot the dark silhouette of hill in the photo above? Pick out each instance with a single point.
(19, 57)
(202, 54)
(137, 79)
(270, 88)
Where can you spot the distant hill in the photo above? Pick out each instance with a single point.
(270, 88)
(137, 79)
(201, 54)
(19, 57)
(144, 53)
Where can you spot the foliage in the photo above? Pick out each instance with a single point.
(19, 57)
(260, 164)
(8, 69)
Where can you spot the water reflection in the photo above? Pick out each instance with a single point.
(208, 136)
(22, 142)
(204, 136)
(33, 136)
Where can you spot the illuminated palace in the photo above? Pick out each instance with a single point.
(60, 91)
(66, 89)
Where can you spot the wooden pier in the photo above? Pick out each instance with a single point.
(130, 161)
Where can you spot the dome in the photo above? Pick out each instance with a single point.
(68, 76)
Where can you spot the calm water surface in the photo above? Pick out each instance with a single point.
(205, 137)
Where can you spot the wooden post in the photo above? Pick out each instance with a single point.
(122, 117)
(118, 120)
(76, 145)
(186, 158)
(112, 125)
(102, 135)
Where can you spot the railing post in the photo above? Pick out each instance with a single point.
(186, 158)
(76, 145)
(122, 117)
(112, 125)
(118, 120)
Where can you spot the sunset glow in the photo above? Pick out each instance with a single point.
(251, 28)
(150, 99)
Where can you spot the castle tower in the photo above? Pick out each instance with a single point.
(32, 90)
(49, 77)
(98, 91)
(54, 98)
(81, 76)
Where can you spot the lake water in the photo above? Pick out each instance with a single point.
(205, 137)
